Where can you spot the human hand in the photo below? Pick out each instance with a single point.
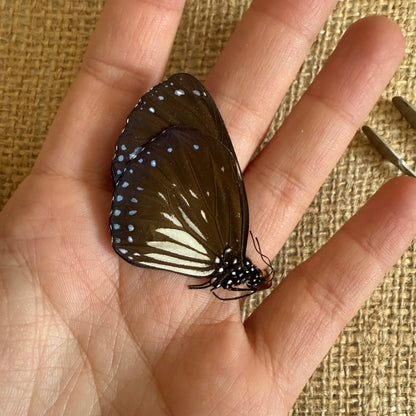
(83, 332)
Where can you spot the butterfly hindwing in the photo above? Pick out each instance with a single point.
(180, 100)
(180, 204)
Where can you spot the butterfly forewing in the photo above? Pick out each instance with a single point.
(180, 100)
(180, 204)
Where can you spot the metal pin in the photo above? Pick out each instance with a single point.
(409, 112)
(386, 151)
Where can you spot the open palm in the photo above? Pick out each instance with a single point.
(83, 332)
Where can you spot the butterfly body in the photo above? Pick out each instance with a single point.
(233, 275)
(179, 201)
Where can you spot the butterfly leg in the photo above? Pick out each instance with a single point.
(235, 289)
(201, 285)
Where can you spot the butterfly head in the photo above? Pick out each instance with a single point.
(267, 280)
(258, 280)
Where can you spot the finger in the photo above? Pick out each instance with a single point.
(259, 63)
(294, 328)
(295, 163)
(127, 54)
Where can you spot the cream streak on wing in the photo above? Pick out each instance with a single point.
(191, 224)
(172, 218)
(176, 260)
(186, 201)
(182, 237)
(179, 249)
(189, 272)
(162, 196)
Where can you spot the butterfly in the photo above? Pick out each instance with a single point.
(179, 202)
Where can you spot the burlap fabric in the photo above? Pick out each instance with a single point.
(371, 370)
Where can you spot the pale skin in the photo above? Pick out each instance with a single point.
(83, 332)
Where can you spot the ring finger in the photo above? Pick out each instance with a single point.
(307, 146)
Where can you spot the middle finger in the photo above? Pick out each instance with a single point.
(259, 63)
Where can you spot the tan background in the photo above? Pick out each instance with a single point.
(371, 369)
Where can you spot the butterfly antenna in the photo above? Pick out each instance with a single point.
(266, 259)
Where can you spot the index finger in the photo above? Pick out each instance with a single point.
(127, 54)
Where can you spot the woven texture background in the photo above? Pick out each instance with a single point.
(371, 368)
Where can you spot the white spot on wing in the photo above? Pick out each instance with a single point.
(193, 194)
(203, 215)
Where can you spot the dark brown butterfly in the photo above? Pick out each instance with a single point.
(179, 201)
